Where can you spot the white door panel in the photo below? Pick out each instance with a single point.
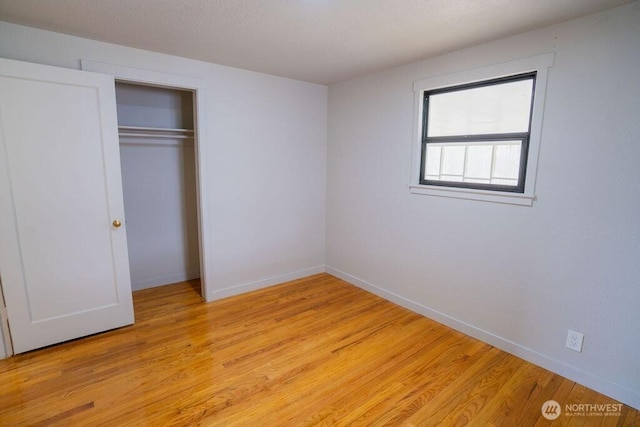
(64, 267)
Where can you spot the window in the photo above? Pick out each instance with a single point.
(477, 135)
(478, 132)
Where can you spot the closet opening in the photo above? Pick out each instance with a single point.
(157, 132)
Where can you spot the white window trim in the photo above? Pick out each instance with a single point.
(540, 64)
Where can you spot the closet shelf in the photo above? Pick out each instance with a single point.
(151, 132)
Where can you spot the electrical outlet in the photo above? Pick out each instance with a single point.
(574, 340)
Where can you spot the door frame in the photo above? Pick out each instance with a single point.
(6, 346)
(197, 86)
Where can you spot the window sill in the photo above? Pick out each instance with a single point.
(471, 194)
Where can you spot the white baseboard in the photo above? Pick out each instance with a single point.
(263, 283)
(163, 280)
(588, 379)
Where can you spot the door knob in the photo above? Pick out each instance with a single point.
(116, 223)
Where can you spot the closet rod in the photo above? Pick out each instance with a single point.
(153, 135)
(154, 129)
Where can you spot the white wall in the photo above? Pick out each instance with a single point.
(157, 107)
(160, 206)
(266, 157)
(516, 277)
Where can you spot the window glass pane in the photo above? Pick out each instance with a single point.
(497, 108)
(433, 161)
(478, 162)
(506, 161)
(452, 159)
(454, 178)
(478, 180)
(482, 162)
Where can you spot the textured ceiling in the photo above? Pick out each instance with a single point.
(322, 41)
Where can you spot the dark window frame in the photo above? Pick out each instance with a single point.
(522, 136)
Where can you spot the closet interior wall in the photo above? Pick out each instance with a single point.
(156, 128)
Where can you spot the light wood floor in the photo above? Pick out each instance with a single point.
(312, 351)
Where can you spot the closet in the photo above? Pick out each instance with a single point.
(156, 135)
(70, 251)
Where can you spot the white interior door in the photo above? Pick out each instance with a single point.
(64, 265)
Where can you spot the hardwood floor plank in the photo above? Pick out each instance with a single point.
(546, 386)
(505, 406)
(314, 351)
(414, 384)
